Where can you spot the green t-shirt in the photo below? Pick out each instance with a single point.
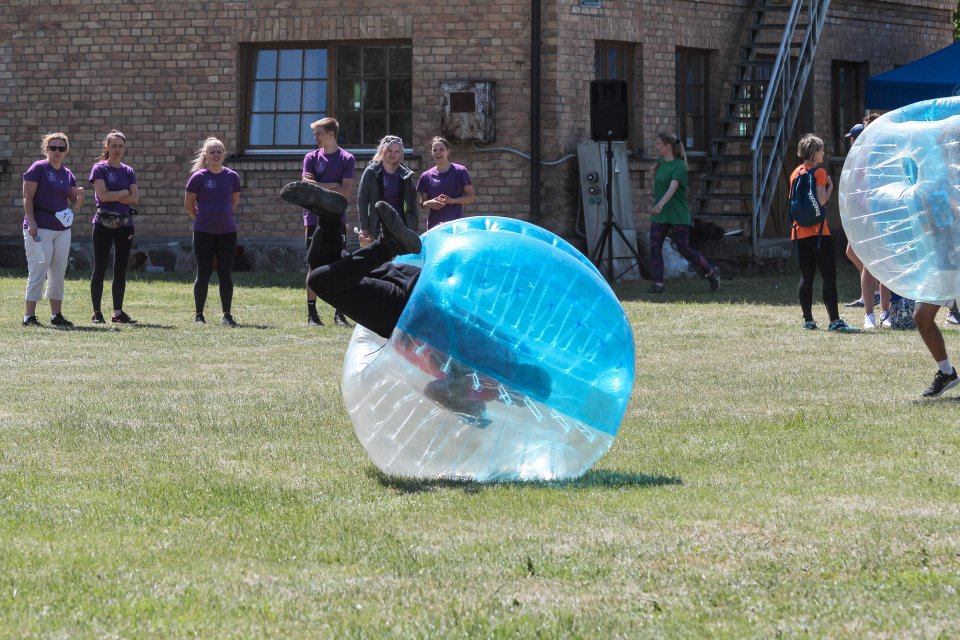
(676, 210)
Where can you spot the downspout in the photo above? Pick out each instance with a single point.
(535, 50)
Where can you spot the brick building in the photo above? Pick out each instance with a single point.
(254, 72)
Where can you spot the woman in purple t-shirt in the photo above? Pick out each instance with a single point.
(49, 191)
(115, 185)
(210, 199)
(445, 188)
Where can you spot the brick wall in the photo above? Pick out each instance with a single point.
(167, 74)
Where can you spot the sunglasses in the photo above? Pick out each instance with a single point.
(56, 149)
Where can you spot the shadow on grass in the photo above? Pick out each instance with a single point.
(116, 328)
(590, 480)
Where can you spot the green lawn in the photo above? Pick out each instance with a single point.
(168, 481)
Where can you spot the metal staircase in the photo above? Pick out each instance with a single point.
(755, 127)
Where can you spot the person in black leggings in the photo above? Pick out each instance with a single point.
(814, 244)
(115, 184)
(369, 288)
(211, 197)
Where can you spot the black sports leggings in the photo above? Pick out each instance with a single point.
(365, 285)
(206, 247)
(812, 258)
(121, 240)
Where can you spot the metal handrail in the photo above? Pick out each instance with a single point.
(787, 81)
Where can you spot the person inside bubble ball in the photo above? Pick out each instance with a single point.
(374, 291)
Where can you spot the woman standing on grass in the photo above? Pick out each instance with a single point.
(385, 178)
(49, 191)
(115, 185)
(671, 213)
(814, 244)
(211, 197)
(445, 188)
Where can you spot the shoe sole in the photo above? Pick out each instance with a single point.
(947, 387)
(714, 281)
(399, 232)
(327, 204)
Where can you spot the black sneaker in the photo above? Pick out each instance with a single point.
(121, 317)
(449, 395)
(60, 321)
(97, 318)
(397, 235)
(329, 205)
(714, 278)
(340, 320)
(229, 321)
(314, 321)
(199, 319)
(31, 321)
(941, 382)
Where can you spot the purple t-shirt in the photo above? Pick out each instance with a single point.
(214, 200)
(451, 183)
(53, 188)
(392, 194)
(115, 179)
(336, 167)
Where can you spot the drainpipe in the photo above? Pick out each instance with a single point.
(535, 49)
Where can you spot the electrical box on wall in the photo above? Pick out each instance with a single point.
(467, 111)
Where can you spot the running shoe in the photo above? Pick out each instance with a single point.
(229, 321)
(953, 317)
(328, 205)
(341, 320)
(870, 322)
(60, 321)
(121, 317)
(840, 326)
(97, 318)
(885, 320)
(199, 319)
(31, 321)
(314, 321)
(810, 324)
(941, 382)
(398, 236)
(856, 304)
(714, 278)
(450, 396)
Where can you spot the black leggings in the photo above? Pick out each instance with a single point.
(812, 258)
(103, 238)
(206, 247)
(365, 285)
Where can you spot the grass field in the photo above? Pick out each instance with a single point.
(170, 481)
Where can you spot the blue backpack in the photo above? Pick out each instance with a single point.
(805, 209)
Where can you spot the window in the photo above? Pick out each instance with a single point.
(752, 94)
(366, 87)
(849, 87)
(612, 61)
(693, 103)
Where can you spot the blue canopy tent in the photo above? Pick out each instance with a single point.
(934, 76)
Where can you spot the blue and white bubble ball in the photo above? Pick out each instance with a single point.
(900, 199)
(513, 360)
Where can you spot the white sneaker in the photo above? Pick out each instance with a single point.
(869, 322)
(885, 320)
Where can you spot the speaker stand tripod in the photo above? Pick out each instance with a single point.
(605, 241)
